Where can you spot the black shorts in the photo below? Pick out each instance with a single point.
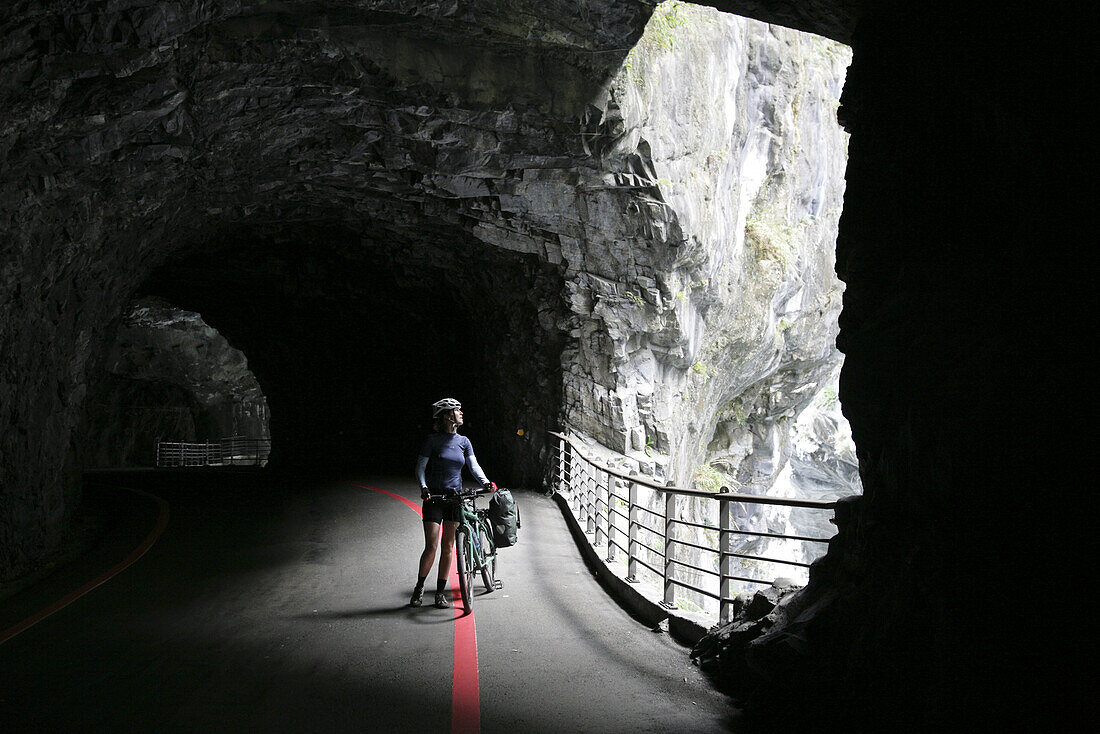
(438, 509)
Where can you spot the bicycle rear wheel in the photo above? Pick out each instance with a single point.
(465, 567)
(489, 557)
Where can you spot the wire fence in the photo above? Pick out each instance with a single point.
(232, 451)
(694, 544)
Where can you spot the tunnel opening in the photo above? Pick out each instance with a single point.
(354, 332)
(168, 376)
(722, 369)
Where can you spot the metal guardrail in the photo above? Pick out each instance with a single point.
(590, 488)
(232, 451)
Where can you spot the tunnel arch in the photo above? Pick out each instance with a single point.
(356, 332)
(168, 376)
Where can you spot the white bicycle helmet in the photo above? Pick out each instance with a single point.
(442, 406)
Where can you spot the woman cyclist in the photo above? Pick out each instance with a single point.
(439, 471)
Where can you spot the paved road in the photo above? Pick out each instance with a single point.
(281, 606)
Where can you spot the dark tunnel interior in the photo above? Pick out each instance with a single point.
(352, 338)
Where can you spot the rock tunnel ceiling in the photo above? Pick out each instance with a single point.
(380, 126)
(176, 124)
(559, 228)
(139, 137)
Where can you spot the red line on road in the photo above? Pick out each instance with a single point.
(415, 507)
(465, 692)
(162, 523)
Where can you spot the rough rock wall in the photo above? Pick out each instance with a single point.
(706, 333)
(136, 131)
(169, 376)
(958, 248)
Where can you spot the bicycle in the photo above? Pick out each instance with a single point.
(476, 549)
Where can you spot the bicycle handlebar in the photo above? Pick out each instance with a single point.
(462, 494)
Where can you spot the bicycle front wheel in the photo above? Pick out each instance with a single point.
(489, 557)
(465, 567)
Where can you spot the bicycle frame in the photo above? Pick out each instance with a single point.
(476, 551)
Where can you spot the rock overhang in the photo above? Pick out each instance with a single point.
(177, 132)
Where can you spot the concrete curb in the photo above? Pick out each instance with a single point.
(684, 629)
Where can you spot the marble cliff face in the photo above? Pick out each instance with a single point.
(703, 338)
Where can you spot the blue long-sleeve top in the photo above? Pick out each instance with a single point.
(439, 467)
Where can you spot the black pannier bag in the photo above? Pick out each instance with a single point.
(504, 518)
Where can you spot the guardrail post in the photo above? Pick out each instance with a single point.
(576, 477)
(589, 505)
(632, 532)
(670, 588)
(567, 474)
(725, 562)
(561, 465)
(574, 495)
(601, 534)
(610, 524)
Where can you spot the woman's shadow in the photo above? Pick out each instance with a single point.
(420, 615)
